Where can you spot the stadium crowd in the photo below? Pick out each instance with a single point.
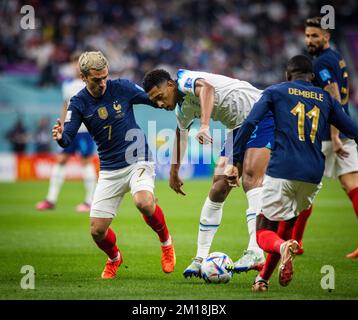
(249, 40)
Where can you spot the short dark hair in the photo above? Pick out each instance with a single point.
(299, 64)
(315, 22)
(155, 78)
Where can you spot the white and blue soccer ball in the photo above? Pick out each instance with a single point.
(214, 268)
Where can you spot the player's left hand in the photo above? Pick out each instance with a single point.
(203, 136)
(231, 173)
(338, 148)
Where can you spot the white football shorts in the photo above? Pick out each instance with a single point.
(113, 185)
(284, 199)
(336, 167)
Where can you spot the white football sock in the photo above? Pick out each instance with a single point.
(89, 179)
(167, 243)
(254, 200)
(210, 219)
(116, 258)
(56, 181)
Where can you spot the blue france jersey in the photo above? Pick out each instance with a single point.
(110, 121)
(302, 113)
(330, 67)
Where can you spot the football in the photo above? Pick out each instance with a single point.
(214, 268)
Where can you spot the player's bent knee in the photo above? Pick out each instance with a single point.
(349, 181)
(219, 189)
(144, 202)
(97, 232)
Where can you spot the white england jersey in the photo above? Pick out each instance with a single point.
(69, 89)
(233, 101)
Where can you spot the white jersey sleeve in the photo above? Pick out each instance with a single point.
(187, 111)
(186, 81)
(69, 89)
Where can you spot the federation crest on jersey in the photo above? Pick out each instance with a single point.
(103, 113)
(117, 107)
(188, 83)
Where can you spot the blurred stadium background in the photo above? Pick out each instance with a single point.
(246, 39)
(249, 40)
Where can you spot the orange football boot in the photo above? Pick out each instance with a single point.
(168, 258)
(353, 255)
(110, 269)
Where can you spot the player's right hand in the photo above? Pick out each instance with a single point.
(176, 184)
(338, 148)
(57, 130)
(231, 173)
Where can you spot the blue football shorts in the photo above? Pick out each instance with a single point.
(82, 144)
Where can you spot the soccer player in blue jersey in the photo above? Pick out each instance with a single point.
(106, 108)
(204, 96)
(302, 113)
(331, 74)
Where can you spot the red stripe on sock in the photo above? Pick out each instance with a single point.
(157, 223)
(300, 224)
(353, 195)
(108, 244)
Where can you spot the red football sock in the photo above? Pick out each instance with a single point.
(157, 223)
(284, 231)
(353, 195)
(300, 224)
(269, 241)
(108, 244)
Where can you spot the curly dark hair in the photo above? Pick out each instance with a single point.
(155, 78)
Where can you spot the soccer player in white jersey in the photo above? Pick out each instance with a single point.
(204, 95)
(83, 144)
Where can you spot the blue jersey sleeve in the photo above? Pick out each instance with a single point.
(138, 95)
(324, 72)
(342, 121)
(257, 113)
(72, 123)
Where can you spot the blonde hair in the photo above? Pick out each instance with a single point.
(92, 60)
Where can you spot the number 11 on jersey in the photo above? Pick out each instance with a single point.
(299, 110)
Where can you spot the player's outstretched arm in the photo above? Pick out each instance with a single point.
(179, 148)
(206, 93)
(343, 122)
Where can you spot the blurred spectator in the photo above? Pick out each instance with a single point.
(246, 39)
(42, 136)
(18, 137)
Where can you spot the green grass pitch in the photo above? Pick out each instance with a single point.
(68, 264)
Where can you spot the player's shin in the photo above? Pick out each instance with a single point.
(284, 231)
(108, 245)
(353, 195)
(300, 225)
(56, 181)
(254, 202)
(157, 222)
(210, 219)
